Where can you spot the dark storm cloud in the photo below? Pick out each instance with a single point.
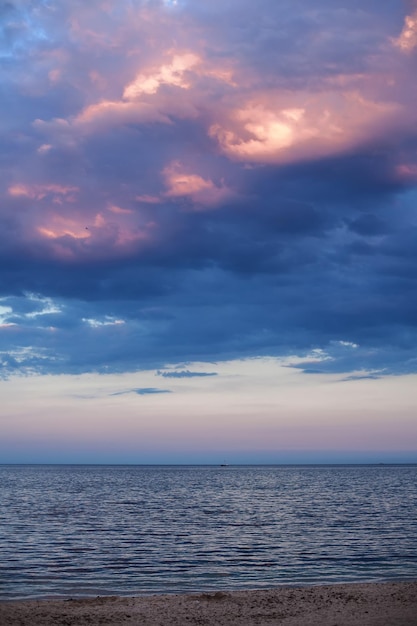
(245, 187)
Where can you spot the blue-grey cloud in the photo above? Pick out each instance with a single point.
(150, 391)
(364, 377)
(185, 374)
(175, 227)
(142, 391)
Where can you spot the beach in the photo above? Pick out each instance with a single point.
(361, 604)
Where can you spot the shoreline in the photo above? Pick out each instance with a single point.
(344, 604)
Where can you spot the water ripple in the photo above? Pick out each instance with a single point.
(86, 530)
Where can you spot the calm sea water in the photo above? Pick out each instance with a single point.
(97, 530)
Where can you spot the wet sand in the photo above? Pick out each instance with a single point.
(370, 604)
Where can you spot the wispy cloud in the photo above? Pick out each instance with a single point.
(150, 390)
(141, 391)
(363, 377)
(185, 374)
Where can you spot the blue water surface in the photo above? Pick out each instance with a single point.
(129, 530)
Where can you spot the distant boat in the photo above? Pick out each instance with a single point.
(224, 464)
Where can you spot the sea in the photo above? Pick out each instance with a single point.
(88, 530)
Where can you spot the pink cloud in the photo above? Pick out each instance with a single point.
(407, 171)
(38, 192)
(72, 237)
(276, 127)
(248, 116)
(97, 116)
(119, 210)
(147, 199)
(173, 73)
(407, 41)
(142, 100)
(181, 183)
(59, 226)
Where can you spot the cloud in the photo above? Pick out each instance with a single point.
(407, 41)
(174, 73)
(205, 182)
(150, 391)
(183, 184)
(106, 112)
(185, 374)
(141, 391)
(303, 126)
(38, 192)
(363, 377)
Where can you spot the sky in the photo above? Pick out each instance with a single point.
(208, 231)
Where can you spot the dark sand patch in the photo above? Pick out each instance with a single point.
(370, 604)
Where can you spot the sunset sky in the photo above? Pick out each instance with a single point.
(208, 231)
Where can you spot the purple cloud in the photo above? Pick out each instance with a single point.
(241, 183)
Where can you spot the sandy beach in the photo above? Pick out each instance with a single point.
(370, 604)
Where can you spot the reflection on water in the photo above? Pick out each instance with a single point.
(89, 530)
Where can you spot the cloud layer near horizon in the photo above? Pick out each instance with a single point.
(187, 181)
